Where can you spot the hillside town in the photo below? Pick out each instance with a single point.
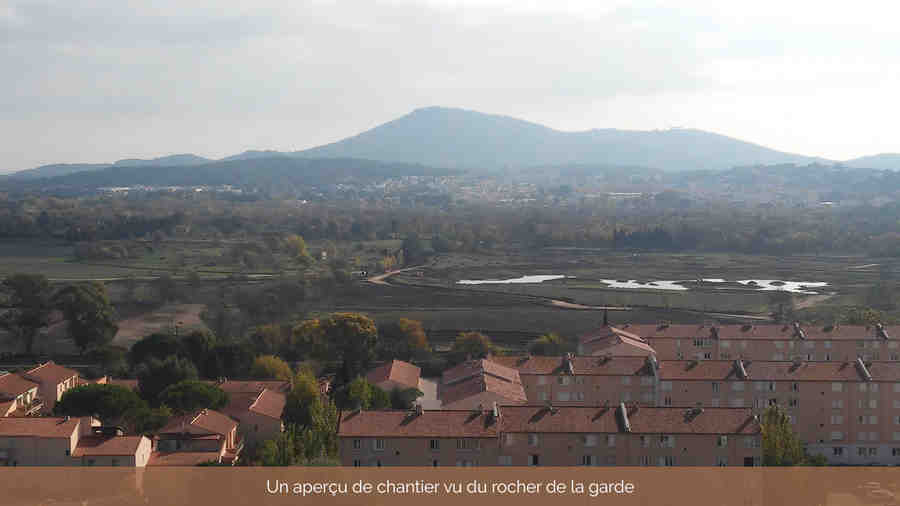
(633, 395)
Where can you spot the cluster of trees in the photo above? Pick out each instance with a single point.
(654, 224)
(32, 300)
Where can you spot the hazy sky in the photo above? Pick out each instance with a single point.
(96, 81)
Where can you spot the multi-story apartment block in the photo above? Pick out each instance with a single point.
(775, 342)
(54, 381)
(848, 411)
(551, 436)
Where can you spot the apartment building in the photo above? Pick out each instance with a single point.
(774, 342)
(51, 441)
(257, 411)
(204, 436)
(480, 383)
(418, 438)
(551, 436)
(53, 380)
(585, 380)
(613, 341)
(18, 396)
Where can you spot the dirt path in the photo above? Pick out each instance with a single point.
(571, 305)
(380, 279)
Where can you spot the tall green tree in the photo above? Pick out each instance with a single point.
(403, 339)
(547, 344)
(109, 403)
(471, 345)
(780, 444)
(271, 367)
(90, 315)
(29, 295)
(155, 375)
(158, 346)
(192, 395)
(352, 339)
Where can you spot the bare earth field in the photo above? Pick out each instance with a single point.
(186, 316)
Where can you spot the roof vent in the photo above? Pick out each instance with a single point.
(798, 332)
(747, 328)
(495, 411)
(568, 366)
(623, 413)
(549, 407)
(863, 370)
(879, 329)
(740, 370)
(419, 409)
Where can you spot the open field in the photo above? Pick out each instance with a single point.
(185, 316)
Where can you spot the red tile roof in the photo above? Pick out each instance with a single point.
(38, 427)
(665, 330)
(478, 367)
(644, 420)
(270, 404)
(758, 370)
(14, 385)
(445, 423)
(607, 332)
(206, 421)
(6, 407)
(111, 446)
(582, 365)
(51, 373)
(397, 371)
(513, 392)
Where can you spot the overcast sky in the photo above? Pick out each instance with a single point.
(96, 81)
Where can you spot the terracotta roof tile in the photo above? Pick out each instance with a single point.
(254, 386)
(480, 366)
(398, 371)
(675, 331)
(15, 385)
(644, 420)
(474, 385)
(445, 423)
(38, 427)
(723, 370)
(607, 332)
(50, 372)
(582, 365)
(270, 404)
(207, 421)
(112, 446)
(7, 407)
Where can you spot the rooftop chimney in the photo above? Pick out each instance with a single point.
(740, 370)
(879, 330)
(654, 365)
(419, 409)
(606, 317)
(623, 413)
(863, 370)
(798, 332)
(495, 411)
(568, 366)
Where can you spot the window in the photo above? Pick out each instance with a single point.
(896, 436)
(667, 401)
(737, 403)
(357, 463)
(861, 419)
(793, 403)
(873, 387)
(895, 452)
(646, 381)
(873, 420)
(725, 344)
(722, 461)
(534, 460)
(468, 444)
(773, 402)
(860, 344)
(666, 441)
(542, 380)
(578, 396)
(714, 402)
(626, 380)
(873, 403)
(779, 344)
(667, 461)
(837, 419)
(466, 463)
(626, 396)
(827, 357)
(579, 380)
(837, 436)
(562, 396)
(511, 439)
(68, 452)
(837, 451)
(435, 444)
(737, 386)
(589, 460)
(378, 445)
(434, 463)
(533, 440)
(707, 356)
(357, 444)
(897, 420)
(837, 387)
(611, 440)
(563, 380)
(645, 442)
(795, 387)
(645, 460)
(715, 387)
(590, 440)
(827, 345)
(863, 387)
(504, 460)
(837, 403)
(543, 396)
(752, 442)
(722, 441)
(896, 388)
